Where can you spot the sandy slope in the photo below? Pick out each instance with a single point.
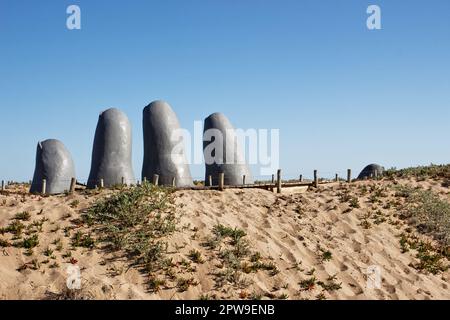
(292, 230)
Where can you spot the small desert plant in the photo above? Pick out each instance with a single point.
(283, 296)
(183, 284)
(325, 255)
(30, 242)
(331, 284)
(196, 256)
(74, 204)
(365, 223)
(255, 295)
(308, 284)
(48, 252)
(15, 227)
(321, 296)
(83, 240)
(58, 243)
(235, 234)
(155, 284)
(24, 216)
(354, 203)
(4, 243)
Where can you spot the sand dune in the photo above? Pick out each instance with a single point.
(319, 244)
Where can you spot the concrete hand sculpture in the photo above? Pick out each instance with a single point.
(371, 171)
(111, 154)
(163, 146)
(222, 152)
(54, 164)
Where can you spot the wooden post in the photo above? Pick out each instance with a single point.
(44, 186)
(3, 185)
(210, 180)
(337, 178)
(301, 178)
(123, 181)
(316, 179)
(243, 180)
(174, 182)
(155, 179)
(273, 179)
(221, 180)
(279, 181)
(102, 183)
(349, 175)
(73, 183)
(144, 180)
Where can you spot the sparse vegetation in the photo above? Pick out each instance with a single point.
(83, 240)
(155, 284)
(136, 220)
(29, 242)
(140, 226)
(196, 256)
(183, 284)
(48, 252)
(427, 212)
(422, 172)
(74, 204)
(308, 284)
(24, 216)
(324, 255)
(330, 285)
(15, 227)
(430, 259)
(4, 243)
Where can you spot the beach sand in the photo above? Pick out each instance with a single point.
(312, 237)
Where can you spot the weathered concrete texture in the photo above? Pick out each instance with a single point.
(53, 163)
(226, 153)
(111, 154)
(164, 154)
(372, 170)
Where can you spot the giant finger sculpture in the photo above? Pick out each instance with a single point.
(111, 154)
(222, 152)
(54, 164)
(163, 146)
(371, 171)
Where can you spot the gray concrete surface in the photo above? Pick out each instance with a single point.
(161, 156)
(111, 154)
(53, 163)
(228, 156)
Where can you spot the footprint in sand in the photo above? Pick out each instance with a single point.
(243, 223)
(356, 246)
(261, 238)
(343, 266)
(390, 288)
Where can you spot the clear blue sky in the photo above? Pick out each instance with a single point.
(342, 96)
